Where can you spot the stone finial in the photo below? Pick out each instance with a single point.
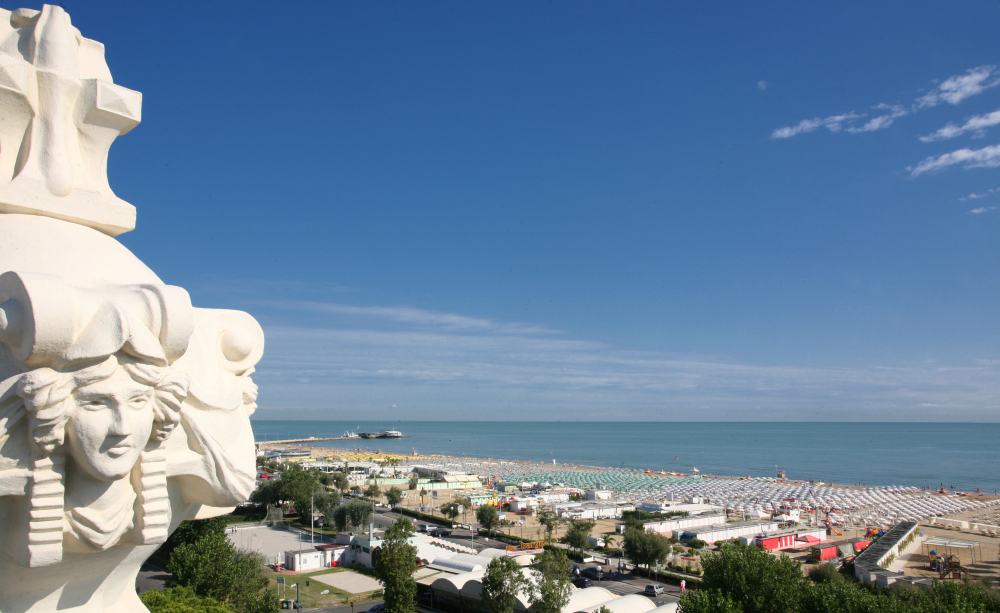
(62, 112)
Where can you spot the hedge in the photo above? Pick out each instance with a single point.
(441, 521)
(664, 577)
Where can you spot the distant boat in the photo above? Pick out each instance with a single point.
(695, 470)
(351, 435)
(389, 434)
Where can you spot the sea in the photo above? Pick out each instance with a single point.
(965, 456)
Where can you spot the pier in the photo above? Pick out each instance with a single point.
(314, 439)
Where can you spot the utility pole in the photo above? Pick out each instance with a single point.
(312, 517)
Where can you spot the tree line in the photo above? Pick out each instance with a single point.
(745, 579)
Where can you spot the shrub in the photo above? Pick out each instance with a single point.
(824, 573)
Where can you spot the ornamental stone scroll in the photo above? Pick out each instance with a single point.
(123, 408)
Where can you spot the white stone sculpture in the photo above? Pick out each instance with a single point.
(123, 409)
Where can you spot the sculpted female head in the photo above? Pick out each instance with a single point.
(105, 414)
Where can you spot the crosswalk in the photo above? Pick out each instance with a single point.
(620, 588)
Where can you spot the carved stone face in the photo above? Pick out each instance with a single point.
(110, 425)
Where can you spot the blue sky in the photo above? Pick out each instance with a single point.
(578, 210)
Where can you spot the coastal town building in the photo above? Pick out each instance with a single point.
(732, 530)
(592, 510)
(668, 526)
(788, 539)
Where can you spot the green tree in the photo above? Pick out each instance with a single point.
(341, 520)
(213, 568)
(295, 485)
(451, 510)
(414, 481)
(487, 517)
(761, 582)
(465, 503)
(325, 478)
(502, 583)
(644, 548)
(373, 492)
(359, 513)
(548, 518)
(268, 492)
(326, 503)
(394, 495)
(825, 573)
(709, 601)
(340, 482)
(182, 600)
(848, 597)
(395, 567)
(551, 588)
(578, 533)
(193, 530)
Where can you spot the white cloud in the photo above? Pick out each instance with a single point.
(988, 192)
(762, 84)
(444, 372)
(983, 209)
(987, 157)
(955, 89)
(834, 123)
(952, 90)
(416, 317)
(882, 121)
(976, 124)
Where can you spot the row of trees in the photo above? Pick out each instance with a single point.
(322, 493)
(743, 579)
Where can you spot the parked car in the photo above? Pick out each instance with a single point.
(377, 608)
(582, 582)
(653, 589)
(423, 527)
(439, 532)
(594, 572)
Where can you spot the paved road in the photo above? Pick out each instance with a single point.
(150, 577)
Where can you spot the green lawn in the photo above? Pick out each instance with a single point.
(335, 597)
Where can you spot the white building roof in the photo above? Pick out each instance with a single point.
(633, 603)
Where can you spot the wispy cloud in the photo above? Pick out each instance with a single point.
(762, 84)
(416, 317)
(987, 157)
(952, 90)
(983, 209)
(988, 192)
(976, 124)
(436, 369)
(834, 123)
(881, 121)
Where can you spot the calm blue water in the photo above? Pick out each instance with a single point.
(924, 454)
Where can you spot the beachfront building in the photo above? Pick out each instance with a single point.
(789, 539)
(598, 495)
(304, 560)
(592, 509)
(669, 526)
(691, 508)
(723, 532)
